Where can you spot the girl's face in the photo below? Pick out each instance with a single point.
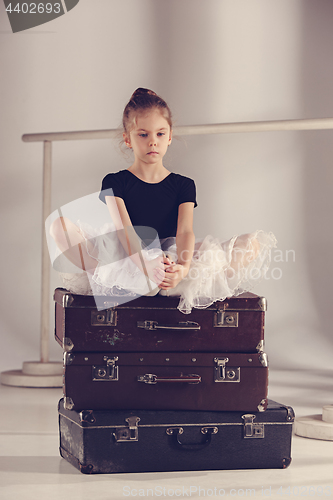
(150, 137)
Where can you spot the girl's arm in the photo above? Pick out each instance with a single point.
(185, 240)
(128, 237)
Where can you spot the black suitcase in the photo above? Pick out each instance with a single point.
(150, 441)
(155, 324)
(166, 381)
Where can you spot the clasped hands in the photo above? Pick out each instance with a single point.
(166, 273)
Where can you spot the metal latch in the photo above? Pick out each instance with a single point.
(252, 430)
(129, 433)
(107, 317)
(107, 372)
(226, 318)
(225, 374)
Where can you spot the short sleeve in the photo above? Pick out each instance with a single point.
(111, 186)
(187, 192)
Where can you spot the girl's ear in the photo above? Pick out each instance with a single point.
(127, 140)
(170, 138)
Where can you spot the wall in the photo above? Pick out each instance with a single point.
(213, 61)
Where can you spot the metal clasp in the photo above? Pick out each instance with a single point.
(225, 374)
(107, 372)
(107, 317)
(226, 319)
(129, 433)
(252, 430)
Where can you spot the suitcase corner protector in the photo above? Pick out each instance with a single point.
(67, 300)
(262, 303)
(262, 405)
(68, 403)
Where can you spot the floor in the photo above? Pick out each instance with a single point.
(31, 468)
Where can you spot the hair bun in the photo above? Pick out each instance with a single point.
(141, 92)
(142, 100)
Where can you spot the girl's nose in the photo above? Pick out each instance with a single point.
(152, 141)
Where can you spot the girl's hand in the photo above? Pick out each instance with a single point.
(155, 269)
(173, 274)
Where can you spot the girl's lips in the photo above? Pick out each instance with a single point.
(153, 153)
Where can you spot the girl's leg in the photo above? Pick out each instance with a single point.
(246, 249)
(72, 244)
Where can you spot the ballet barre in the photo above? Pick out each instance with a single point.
(44, 369)
(217, 128)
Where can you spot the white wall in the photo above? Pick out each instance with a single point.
(213, 61)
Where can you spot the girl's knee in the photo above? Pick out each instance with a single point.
(246, 242)
(59, 227)
(255, 247)
(246, 249)
(252, 251)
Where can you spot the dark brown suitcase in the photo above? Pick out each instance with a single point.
(155, 324)
(166, 381)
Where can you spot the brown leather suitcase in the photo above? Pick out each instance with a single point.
(155, 324)
(166, 381)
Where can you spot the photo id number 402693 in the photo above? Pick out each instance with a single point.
(34, 8)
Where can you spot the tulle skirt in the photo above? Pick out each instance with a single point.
(219, 269)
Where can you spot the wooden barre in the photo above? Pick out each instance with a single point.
(218, 128)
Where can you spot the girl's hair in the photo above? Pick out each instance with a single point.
(142, 100)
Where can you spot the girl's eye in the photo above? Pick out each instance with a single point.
(146, 135)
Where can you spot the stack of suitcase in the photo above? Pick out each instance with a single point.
(186, 392)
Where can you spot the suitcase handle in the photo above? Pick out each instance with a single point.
(150, 378)
(182, 325)
(175, 432)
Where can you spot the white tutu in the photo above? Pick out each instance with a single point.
(218, 269)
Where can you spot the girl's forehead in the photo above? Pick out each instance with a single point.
(150, 119)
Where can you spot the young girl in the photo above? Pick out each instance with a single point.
(150, 246)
